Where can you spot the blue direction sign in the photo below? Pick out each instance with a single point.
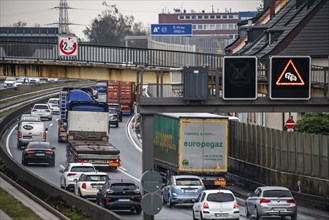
(171, 29)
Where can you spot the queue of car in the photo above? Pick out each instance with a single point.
(13, 82)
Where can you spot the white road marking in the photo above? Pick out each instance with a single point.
(7, 141)
(122, 171)
(122, 168)
(51, 124)
(128, 131)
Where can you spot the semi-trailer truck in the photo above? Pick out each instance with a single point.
(88, 139)
(192, 144)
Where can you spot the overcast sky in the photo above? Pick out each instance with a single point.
(41, 12)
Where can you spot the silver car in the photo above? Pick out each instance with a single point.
(271, 201)
(54, 105)
(182, 189)
(43, 110)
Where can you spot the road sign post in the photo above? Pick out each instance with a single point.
(240, 78)
(290, 78)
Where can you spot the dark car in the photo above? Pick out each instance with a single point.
(117, 106)
(114, 117)
(101, 87)
(39, 152)
(122, 194)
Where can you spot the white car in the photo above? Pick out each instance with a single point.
(52, 80)
(73, 171)
(54, 105)
(22, 81)
(34, 80)
(89, 184)
(10, 82)
(216, 204)
(43, 110)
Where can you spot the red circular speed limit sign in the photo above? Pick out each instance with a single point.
(290, 124)
(68, 45)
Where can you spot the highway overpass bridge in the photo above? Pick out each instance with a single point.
(147, 66)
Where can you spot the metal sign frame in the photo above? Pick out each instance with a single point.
(271, 73)
(256, 77)
(61, 41)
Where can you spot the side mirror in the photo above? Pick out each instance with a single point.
(46, 129)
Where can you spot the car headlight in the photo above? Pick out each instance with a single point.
(174, 194)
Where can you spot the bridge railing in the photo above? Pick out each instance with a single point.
(110, 55)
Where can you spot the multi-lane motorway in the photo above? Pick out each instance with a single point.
(131, 155)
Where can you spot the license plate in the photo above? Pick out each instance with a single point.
(220, 183)
(123, 200)
(279, 209)
(40, 154)
(189, 191)
(113, 164)
(27, 137)
(221, 214)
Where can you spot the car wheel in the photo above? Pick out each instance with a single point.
(79, 193)
(52, 163)
(247, 212)
(169, 203)
(201, 217)
(293, 217)
(163, 200)
(193, 215)
(18, 145)
(138, 210)
(256, 214)
(24, 162)
(117, 125)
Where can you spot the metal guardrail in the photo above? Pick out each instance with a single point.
(93, 210)
(92, 53)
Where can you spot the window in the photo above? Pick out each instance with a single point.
(220, 197)
(230, 16)
(187, 17)
(200, 26)
(181, 17)
(225, 16)
(218, 16)
(212, 27)
(218, 27)
(277, 193)
(193, 26)
(206, 17)
(188, 182)
(231, 26)
(224, 26)
(200, 16)
(212, 16)
(207, 26)
(235, 16)
(193, 16)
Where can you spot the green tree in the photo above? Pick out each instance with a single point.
(111, 27)
(317, 123)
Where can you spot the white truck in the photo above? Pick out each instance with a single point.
(192, 144)
(88, 140)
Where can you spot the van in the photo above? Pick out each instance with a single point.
(28, 131)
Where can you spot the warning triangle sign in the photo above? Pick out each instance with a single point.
(290, 76)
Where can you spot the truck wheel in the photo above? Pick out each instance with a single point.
(24, 162)
(169, 203)
(138, 210)
(18, 145)
(52, 163)
(117, 125)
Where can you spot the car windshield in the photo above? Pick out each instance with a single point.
(113, 111)
(220, 197)
(30, 118)
(10, 79)
(53, 102)
(82, 169)
(188, 182)
(40, 146)
(119, 186)
(41, 107)
(97, 178)
(277, 193)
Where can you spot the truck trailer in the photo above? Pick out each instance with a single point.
(123, 93)
(88, 139)
(191, 144)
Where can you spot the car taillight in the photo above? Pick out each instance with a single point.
(262, 200)
(106, 201)
(71, 174)
(30, 152)
(139, 199)
(205, 205)
(83, 161)
(235, 205)
(84, 186)
(291, 201)
(44, 135)
(49, 152)
(20, 134)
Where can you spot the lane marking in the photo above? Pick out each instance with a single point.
(51, 124)
(122, 171)
(128, 131)
(7, 141)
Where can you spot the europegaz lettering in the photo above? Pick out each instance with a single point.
(203, 144)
